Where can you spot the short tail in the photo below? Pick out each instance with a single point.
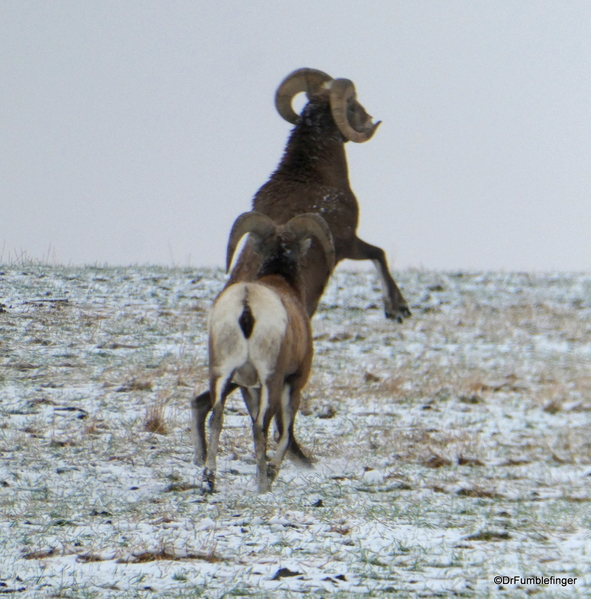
(246, 320)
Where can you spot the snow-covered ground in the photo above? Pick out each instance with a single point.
(450, 449)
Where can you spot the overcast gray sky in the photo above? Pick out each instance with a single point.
(135, 132)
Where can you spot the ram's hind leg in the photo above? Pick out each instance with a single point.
(200, 408)
(294, 452)
(258, 402)
(285, 419)
(219, 389)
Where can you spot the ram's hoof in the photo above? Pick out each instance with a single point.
(208, 482)
(398, 314)
(272, 472)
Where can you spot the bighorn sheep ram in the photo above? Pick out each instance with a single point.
(312, 177)
(260, 339)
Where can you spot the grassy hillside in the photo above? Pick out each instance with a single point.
(450, 449)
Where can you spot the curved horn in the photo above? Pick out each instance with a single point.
(309, 224)
(248, 222)
(341, 92)
(301, 80)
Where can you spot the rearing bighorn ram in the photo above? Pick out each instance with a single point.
(312, 177)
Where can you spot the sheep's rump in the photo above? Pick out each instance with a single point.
(247, 325)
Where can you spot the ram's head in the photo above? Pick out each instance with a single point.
(293, 237)
(349, 115)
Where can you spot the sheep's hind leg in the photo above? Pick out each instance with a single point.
(260, 427)
(220, 389)
(285, 417)
(294, 452)
(200, 408)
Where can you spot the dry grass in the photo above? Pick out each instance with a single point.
(155, 421)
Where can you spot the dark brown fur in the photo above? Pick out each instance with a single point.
(313, 177)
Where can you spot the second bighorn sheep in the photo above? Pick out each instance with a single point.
(260, 339)
(312, 177)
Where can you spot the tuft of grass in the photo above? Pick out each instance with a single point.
(155, 421)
